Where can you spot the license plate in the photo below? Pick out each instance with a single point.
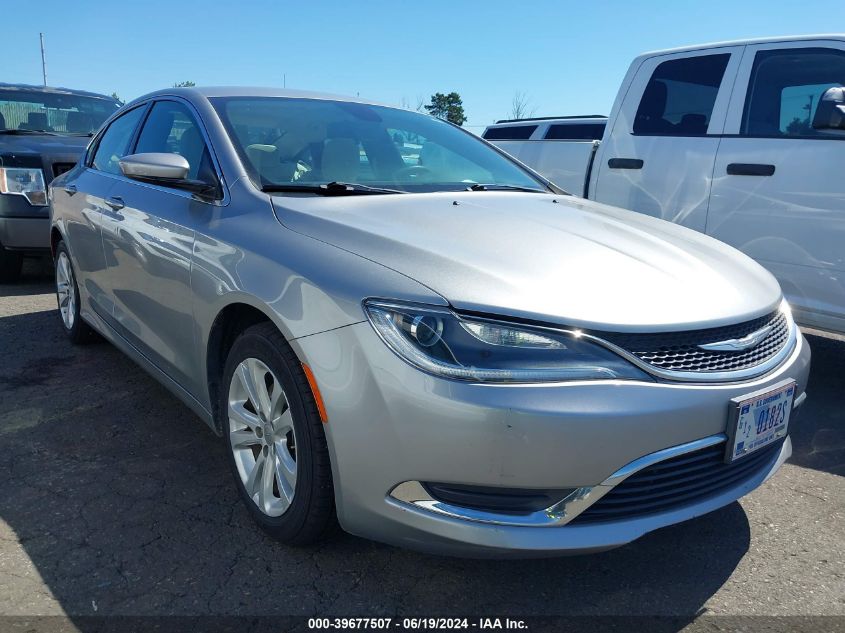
(759, 419)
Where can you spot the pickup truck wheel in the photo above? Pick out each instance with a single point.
(274, 438)
(10, 266)
(67, 296)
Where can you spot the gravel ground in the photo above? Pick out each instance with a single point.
(117, 500)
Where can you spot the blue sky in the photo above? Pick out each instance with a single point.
(567, 57)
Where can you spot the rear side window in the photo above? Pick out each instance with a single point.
(576, 132)
(510, 133)
(171, 129)
(680, 96)
(114, 144)
(785, 88)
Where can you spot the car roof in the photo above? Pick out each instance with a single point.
(759, 40)
(210, 92)
(53, 90)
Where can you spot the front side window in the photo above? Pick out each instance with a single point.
(785, 88)
(284, 141)
(171, 129)
(53, 112)
(114, 144)
(680, 96)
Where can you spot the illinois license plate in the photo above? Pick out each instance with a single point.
(759, 419)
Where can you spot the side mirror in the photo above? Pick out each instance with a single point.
(830, 113)
(167, 170)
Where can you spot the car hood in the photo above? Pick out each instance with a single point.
(32, 144)
(557, 259)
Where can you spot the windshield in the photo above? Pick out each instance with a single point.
(290, 142)
(54, 112)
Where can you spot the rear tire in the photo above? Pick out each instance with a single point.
(274, 438)
(11, 264)
(67, 296)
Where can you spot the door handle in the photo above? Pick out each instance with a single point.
(750, 169)
(70, 189)
(625, 163)
(116, 203)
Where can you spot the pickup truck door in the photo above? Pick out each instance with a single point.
(658, 151)
(778, 192)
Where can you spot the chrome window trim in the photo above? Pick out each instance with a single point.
(148, 104)
(413, 493)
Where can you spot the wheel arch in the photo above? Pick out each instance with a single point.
(55, 237)
(229, 322)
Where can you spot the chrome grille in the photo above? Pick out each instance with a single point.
(677, 482)
(679, 351)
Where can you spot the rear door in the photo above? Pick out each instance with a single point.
(658, 157)
(778, 192)
(82, 200)
(150, 246)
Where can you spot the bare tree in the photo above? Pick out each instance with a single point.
(420, 107)
(521, 106)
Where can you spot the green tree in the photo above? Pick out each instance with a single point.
(117, 98)
(799, 127)
(184, 84)
(449, 107)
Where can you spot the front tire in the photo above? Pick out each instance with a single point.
(274, 438)
(67, 296)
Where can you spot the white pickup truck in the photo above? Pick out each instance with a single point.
(744, 141)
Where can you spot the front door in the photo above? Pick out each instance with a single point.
(150, 246)
(658, 157)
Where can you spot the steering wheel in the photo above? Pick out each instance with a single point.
(412, 171)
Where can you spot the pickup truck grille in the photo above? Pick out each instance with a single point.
(61, 168)
(680, 351)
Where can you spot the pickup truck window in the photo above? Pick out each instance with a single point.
(510, 133)
(575, 132)
(679, 97)
(785, 89)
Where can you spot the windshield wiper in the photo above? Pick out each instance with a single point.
(27, 132)
(494, 187)
(329, 189)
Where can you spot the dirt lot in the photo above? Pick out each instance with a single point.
(117, 500)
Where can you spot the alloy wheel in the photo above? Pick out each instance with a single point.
(262, 436)
(65, 290)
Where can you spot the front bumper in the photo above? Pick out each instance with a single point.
(390, 423)
(25, 234)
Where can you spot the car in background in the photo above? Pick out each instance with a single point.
(392, 323)
(537, 142)
(742, 141)
(43, 131)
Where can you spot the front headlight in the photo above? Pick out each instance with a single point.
(440, 342)
(25, 182)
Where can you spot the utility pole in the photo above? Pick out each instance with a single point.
(43, 61)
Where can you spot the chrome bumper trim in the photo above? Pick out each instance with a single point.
(414, 494)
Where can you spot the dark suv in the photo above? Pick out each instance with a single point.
(43, 131)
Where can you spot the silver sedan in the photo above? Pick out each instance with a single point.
(395, 326)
